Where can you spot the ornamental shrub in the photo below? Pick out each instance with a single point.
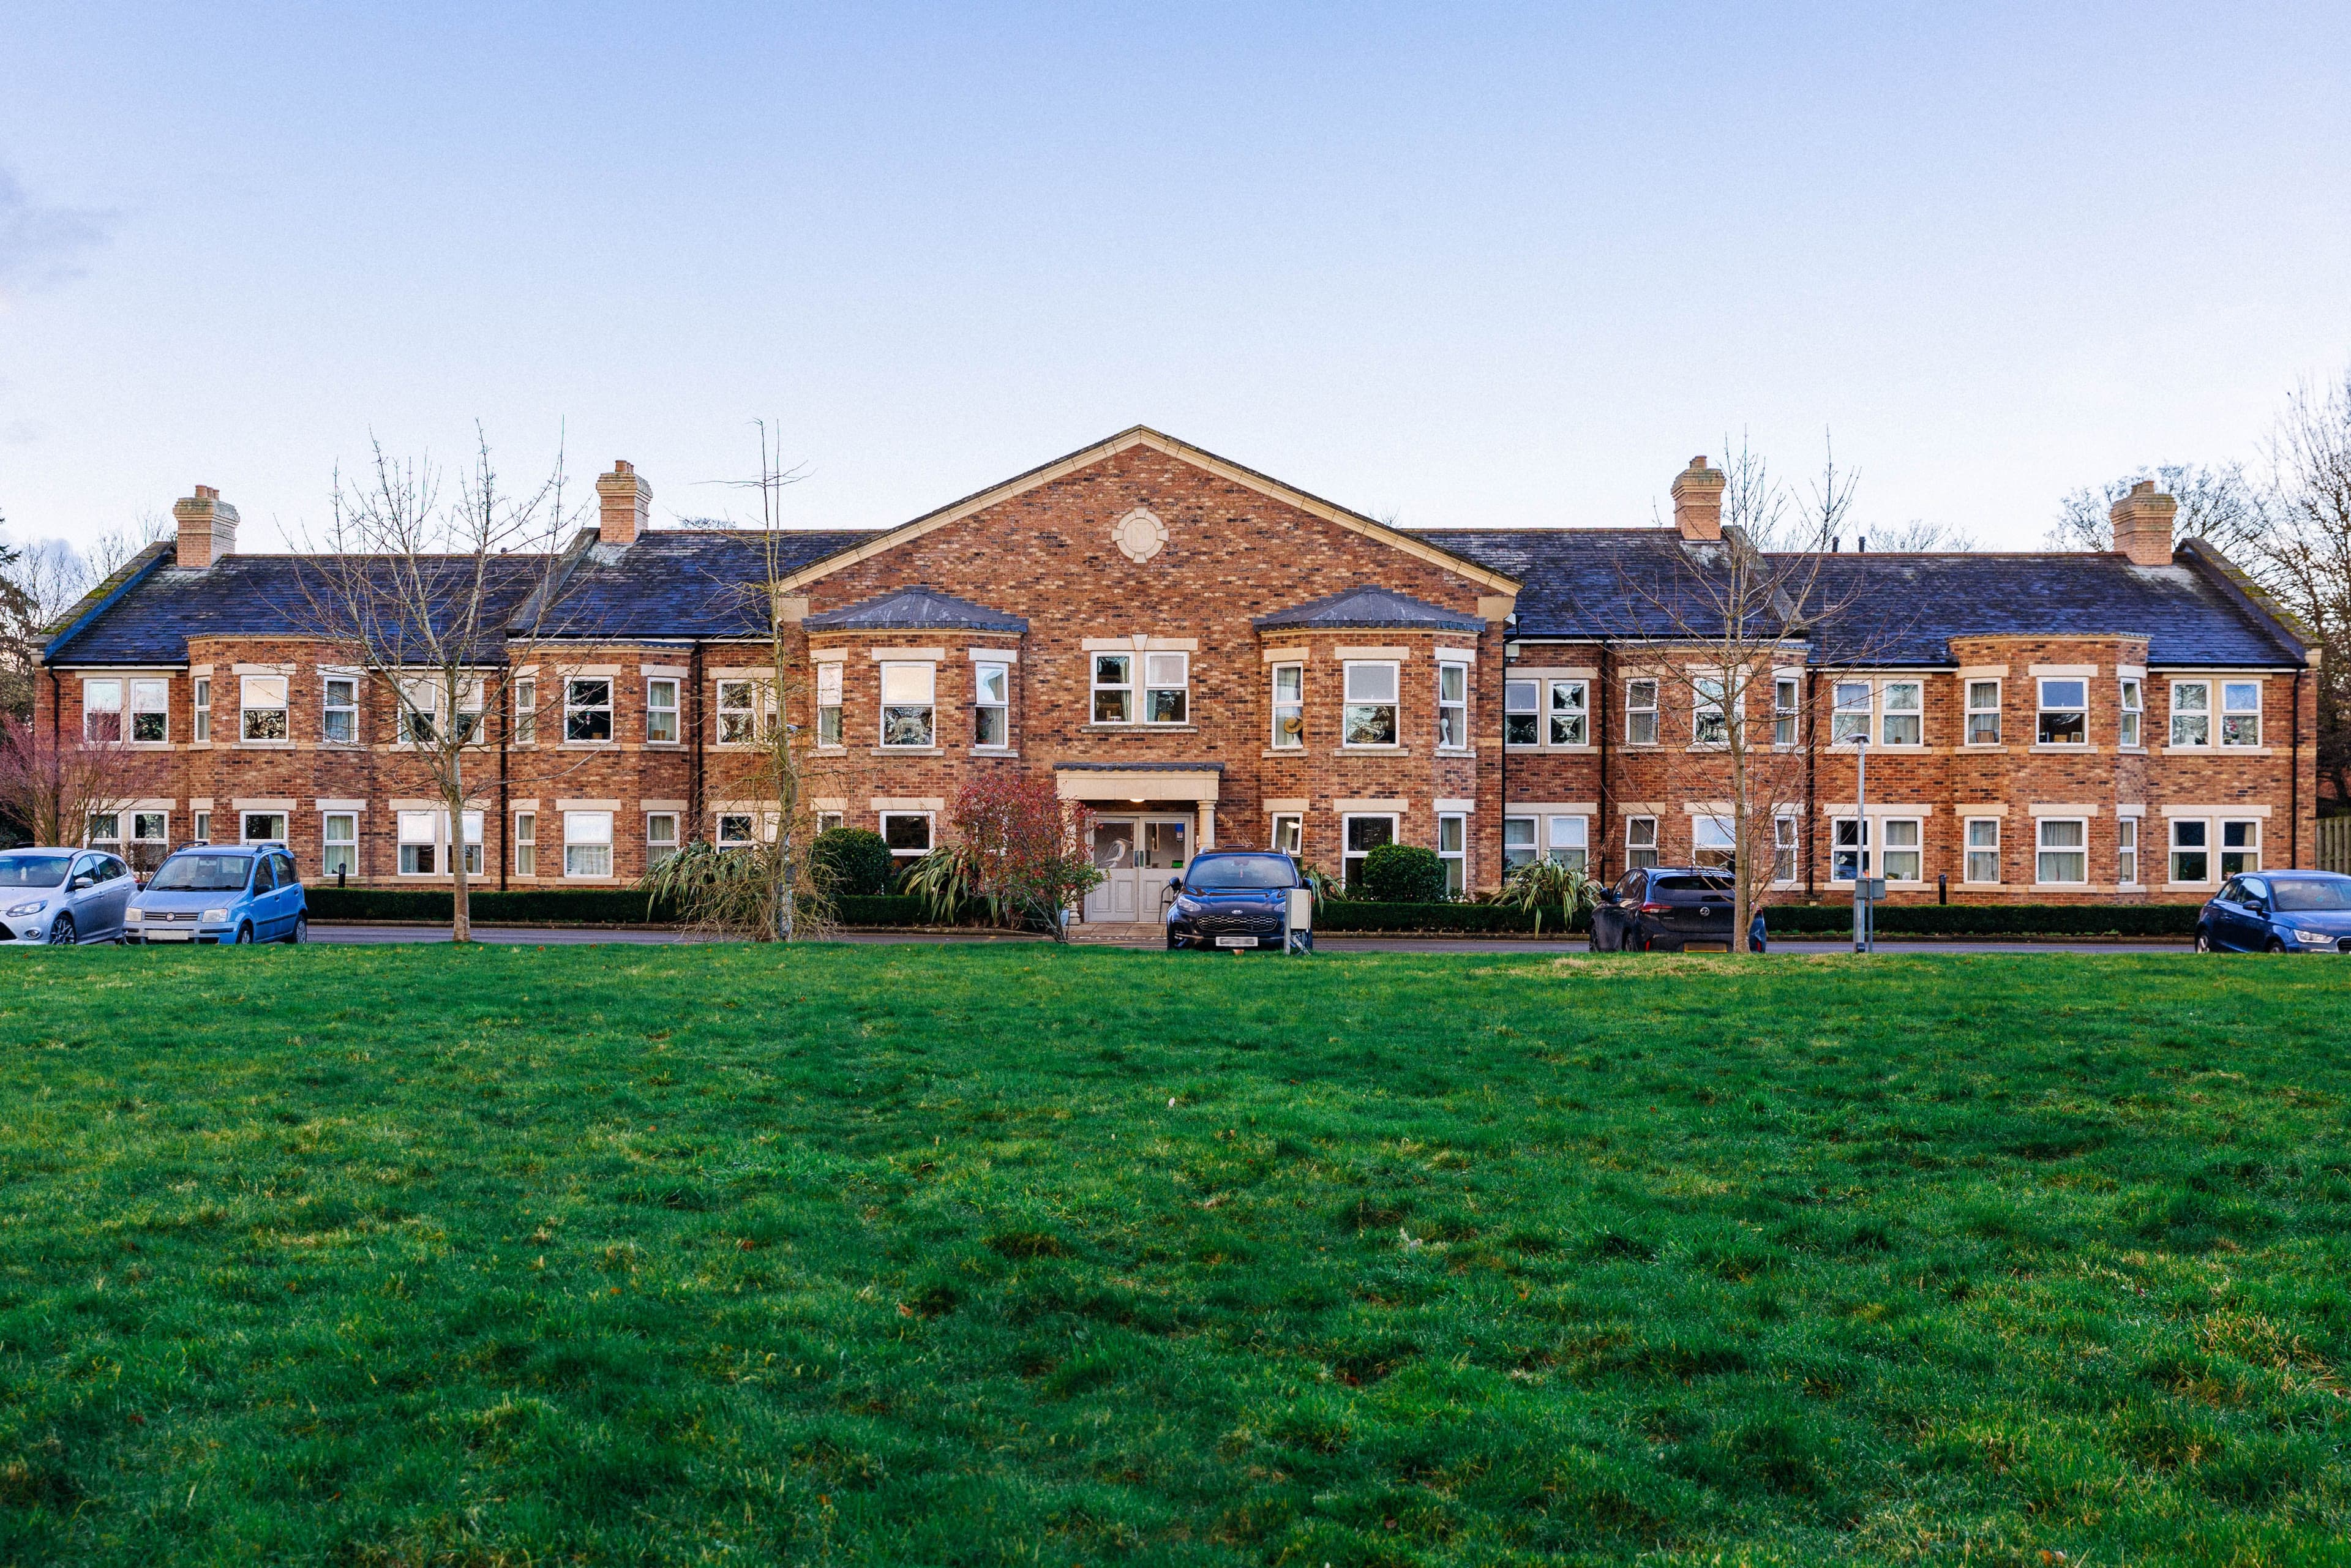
(1404, 874)
(854, 862)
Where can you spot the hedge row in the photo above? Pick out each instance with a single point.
(1338, 914)
(1990, 919)
(564, 906)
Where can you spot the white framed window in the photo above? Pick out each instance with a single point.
(151, 839)
(525, 710)
(468, 716)
(526, 844)
(339, 710)
(1289, 707)
(201, 823)
(827, 820)
(1785, 708)
(200, 711)
(2240, 846)
(1641, 712)
(2191, 850)
(1518, 842)
(1640, 843)
(1713, 842)
(339, 844)
(2240, 713)
(1288, 833)
(736, 831)
(2191, 715)
(827, 704)
(1848, 849)
(587, 721)
(587, 843)
(1166, 689)
(420, 843)
(660, 711)
(1453, 849)
(1982, 863)
(1783, 849)
(1370, 705)
(1708, 726)
(1902, 709)
(908, 834)
(2133, 712)
(1900, 845)
(1984, 713)
(2064, 712)
(1522, 713)
(105, 831)
(1567, 841)
(2063, 844)
(420, 711)
(661, 837)
(1569, 714)
(1114, 688)
(265, 827)
(1452, 706)
(101, 711)
(150, 712)
(1849, 718)
(471, 821)
(991, 708)
(1363, 834)
(909, 705)
(261, 705)
(2127, 850)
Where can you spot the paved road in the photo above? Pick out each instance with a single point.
(573, 936)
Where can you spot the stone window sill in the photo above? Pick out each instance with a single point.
(1274, 751)
(265, 746)
(993, 751)
(1543, 750)
(1148, 728)
(1376, 751)
(1985, 747)
(909, 751)
(2062, 748)
(2219, 752)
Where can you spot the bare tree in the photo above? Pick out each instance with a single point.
(1919, 537)
(40, 582)
(435, 605)
(2306, 558)
(52, 785)
(116, 546)
(2218, 503)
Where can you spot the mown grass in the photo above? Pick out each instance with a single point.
(960, 1255)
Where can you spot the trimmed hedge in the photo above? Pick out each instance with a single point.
(488, 906)
(2173, 920)
(1364, 915)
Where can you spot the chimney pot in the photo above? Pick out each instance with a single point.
(2142, 523)
(1698, 501)
(207, 529)
(624, 505)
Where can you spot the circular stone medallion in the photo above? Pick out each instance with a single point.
(1139, 535)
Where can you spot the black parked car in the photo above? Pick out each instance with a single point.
(1666, 909)
(1233, 898)
(2278, 912)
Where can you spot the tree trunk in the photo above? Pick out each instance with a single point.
(461, 917)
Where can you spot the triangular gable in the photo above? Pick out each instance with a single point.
(1144, 436)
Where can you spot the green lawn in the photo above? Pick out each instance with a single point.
(996, 1255)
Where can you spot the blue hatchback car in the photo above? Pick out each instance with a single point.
(2278, 912)
(222, 892)
(1234, 899)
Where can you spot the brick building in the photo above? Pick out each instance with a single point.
(1203, 655)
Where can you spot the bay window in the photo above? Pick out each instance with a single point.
(1982, 863)
(1289, 707)
(1370, 705)
(1522, 719)
(909, 710)
(2064, 712)
(588, 843)
(1453, 707)
(587, 721)
(2064, 850)
(2240, 713)
(1903, 716)
(2191, 717)
(1641, 713)
(992, 711)
(827, 704)
(262, 707)
(101, 711)
(1983, 713)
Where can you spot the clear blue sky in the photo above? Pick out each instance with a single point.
(1469, 264)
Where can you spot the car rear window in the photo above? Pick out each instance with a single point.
(1690, 885)
(2317, 892)
(1241, 871)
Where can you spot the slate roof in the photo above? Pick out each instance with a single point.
(685, 582)
(915, 610)
(1370, 609)
(146, 613)
(1888, 608)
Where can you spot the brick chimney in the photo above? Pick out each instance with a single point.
(207, 528)
(624, 502)
(1698, 501)
(2142, 521)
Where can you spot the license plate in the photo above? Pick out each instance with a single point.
(1235, 941)
(1706, 947)
(170, 936)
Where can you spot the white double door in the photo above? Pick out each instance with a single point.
(1137, 856)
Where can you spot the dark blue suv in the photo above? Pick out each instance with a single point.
(1234, 899)
(2278, 912)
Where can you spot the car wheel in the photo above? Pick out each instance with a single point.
(2276, 946)
(301, 932)
(2203, 940)
(61, 932)
(245, 934)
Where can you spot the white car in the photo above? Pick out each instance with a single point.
(63, 897)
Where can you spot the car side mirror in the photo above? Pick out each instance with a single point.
(84, 881)
(1175, 884)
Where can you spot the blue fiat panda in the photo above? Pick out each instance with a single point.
(222, 892)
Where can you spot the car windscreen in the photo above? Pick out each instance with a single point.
(1719, 885)
(203, 874)
(34, 870)
(1240, 872)
(2316, 893)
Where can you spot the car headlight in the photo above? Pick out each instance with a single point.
(134, 913)
(216, 917)
(33, 908)
(2323, 939)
